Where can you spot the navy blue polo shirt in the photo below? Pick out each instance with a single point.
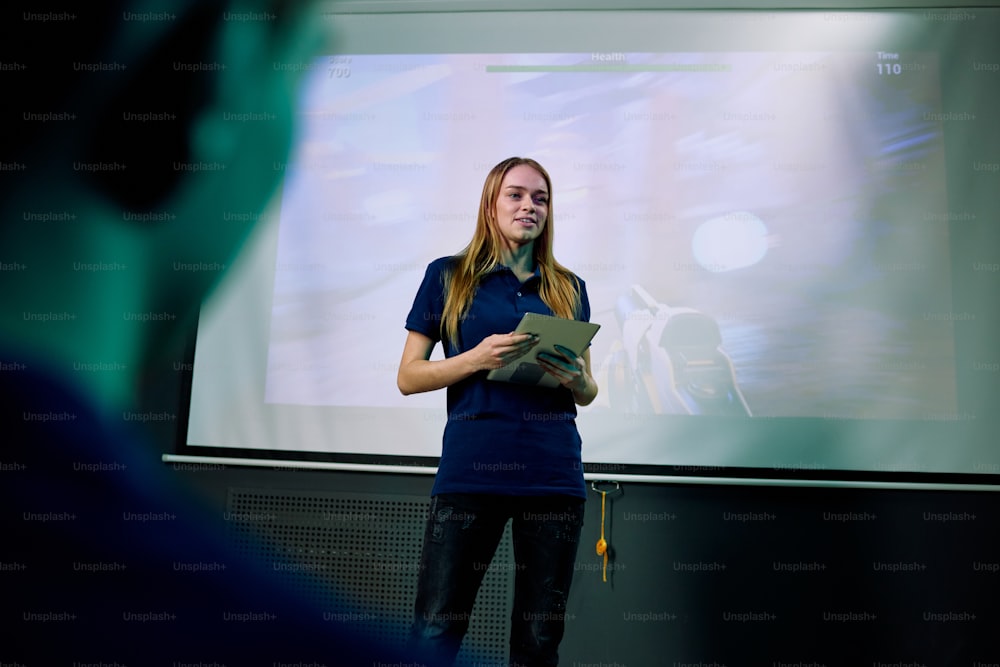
(501, 438)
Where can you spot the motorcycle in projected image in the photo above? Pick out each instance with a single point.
(671, 361)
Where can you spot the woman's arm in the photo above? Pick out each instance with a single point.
(573, 372)
(585, 390)
(417, 373)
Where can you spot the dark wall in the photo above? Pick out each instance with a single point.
(749, 575)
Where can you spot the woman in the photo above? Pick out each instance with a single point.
(510, 451)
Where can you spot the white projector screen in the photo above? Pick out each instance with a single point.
(787, 222)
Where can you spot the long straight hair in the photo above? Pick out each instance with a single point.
(559, 288)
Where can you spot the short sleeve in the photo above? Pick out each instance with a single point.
(584, 301)
(428, 305)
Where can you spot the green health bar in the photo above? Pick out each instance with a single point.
(621, 67)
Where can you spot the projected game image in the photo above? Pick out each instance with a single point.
(742, 260)
(776, 245)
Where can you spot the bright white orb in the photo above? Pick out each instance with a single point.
(730, 241)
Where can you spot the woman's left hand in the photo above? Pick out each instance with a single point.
(568, 368)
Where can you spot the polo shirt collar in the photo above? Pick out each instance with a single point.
(503, 267)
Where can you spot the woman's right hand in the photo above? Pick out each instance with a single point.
(417, 373)
(498, 350)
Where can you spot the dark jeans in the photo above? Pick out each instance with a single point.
(461, 536)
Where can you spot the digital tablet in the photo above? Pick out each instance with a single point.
(572, 334)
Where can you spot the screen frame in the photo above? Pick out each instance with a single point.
(593, 471)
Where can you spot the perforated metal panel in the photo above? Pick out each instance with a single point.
(357, 556)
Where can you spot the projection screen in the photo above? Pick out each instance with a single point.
(787, 222)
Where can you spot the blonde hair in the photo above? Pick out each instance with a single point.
(559, 287)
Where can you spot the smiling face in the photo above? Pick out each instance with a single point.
(522, 206)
